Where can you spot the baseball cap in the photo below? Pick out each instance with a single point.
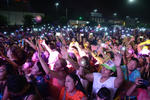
(109, 65)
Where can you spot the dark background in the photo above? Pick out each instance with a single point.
(75, 8)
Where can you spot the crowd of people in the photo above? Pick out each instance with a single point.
(75, 63)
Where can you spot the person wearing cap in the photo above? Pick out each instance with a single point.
(105, 79)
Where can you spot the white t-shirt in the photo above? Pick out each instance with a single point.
(109, 83)
(54, 55)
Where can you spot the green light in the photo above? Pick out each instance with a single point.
(80, 18)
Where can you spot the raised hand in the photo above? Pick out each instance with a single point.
(64, 53)
(133, 39)
(76, 44)
(42, 42)
(26, 40)
(100, 50)
(39, 51)
(117, 60)
(122, 52)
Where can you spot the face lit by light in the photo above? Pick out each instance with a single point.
(69, 84)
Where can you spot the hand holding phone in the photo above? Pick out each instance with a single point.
(41, 42)
(123, 48)
(145, 83)
(138, 81)
(82, 34)
(58, 33)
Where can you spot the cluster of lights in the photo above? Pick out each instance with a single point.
(143, 29)
(35, 29)
(48, 30)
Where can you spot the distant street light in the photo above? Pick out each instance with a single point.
(131, 1)
(127, 17)
(115, 14)
(87, 22)
(80, 18)
(95, 10)
(56, 4)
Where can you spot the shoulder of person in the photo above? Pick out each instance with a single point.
(80, 94)
(55, 51)
(96, 74)
(137, 72)
(112, 78)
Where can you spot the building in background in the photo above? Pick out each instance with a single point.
(78, 23)
(17, 18)
(116, 22)
(96, 17)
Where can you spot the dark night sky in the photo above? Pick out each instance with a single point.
(140, 9)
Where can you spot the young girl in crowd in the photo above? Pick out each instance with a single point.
(73, 89)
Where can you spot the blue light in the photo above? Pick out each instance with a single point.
(5, 32)
(12, 34)
(39, 29)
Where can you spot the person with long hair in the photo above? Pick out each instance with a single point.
(73, 89)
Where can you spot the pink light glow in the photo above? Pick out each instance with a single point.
(131, 51)
(38, 18)
(26, 65)
(35, 57)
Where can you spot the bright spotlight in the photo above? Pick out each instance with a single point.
(131, 1)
